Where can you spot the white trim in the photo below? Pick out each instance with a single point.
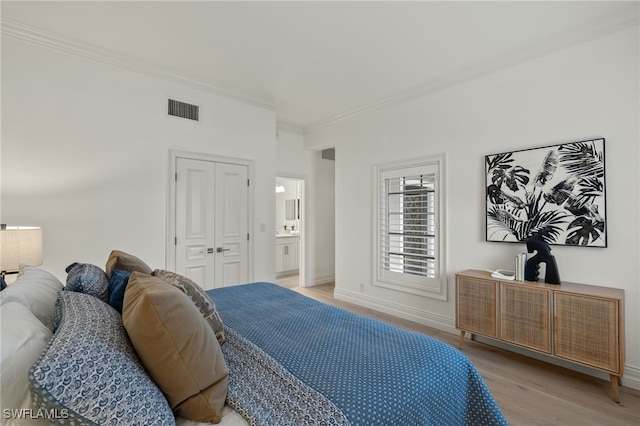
(288, 127)
(321, 279)
(576, 36)
(630, 379)
(410, 313)
(582, 34)
(407, 285)
(174, 154)
(302, 259)
(631, 376)
(45, 38)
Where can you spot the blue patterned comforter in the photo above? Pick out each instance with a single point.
(375, 373)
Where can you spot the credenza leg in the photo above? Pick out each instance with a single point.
(614, 387)
(461, 339)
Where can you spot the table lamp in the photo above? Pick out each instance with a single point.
(19, 244)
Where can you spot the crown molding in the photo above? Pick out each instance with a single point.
(288, 127)
(582, 34)
(579, 35)
(47, 39)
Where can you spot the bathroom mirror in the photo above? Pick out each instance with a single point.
(290, 209)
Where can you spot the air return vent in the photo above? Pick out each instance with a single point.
(184, 110)
(329, 154)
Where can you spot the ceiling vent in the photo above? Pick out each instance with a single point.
(184, 110)
(329, 154)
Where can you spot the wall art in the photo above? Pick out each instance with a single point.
(554, 193)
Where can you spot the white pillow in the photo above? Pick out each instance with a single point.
(36, 289)
(230, 417)
(24, 338)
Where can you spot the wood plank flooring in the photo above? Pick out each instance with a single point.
(529, 392)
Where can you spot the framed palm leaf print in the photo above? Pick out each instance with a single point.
(555, 193)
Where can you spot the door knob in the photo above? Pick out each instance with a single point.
(220, 249)
(210, 250)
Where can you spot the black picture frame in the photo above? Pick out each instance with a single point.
(556, 193)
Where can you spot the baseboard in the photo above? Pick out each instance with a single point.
(320, 279)
(630, 379)
(287, 273)
(429, 319)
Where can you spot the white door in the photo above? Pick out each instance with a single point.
(231, 228)
(211, 222)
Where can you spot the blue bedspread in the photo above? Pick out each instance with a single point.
(375, 373)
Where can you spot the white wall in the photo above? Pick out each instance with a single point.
(319, 234)
(584, 92)
(85, 155)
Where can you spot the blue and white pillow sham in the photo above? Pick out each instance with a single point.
(90, 374)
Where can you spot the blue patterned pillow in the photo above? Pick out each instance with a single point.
(90, 374)
(117, 285)
(89, 279)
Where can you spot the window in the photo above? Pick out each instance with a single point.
(408, 227)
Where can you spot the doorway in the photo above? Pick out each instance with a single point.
(209, 220)
(290, 232)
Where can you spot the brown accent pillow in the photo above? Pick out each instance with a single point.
(177, 347)
(126, 262)
(199, 297)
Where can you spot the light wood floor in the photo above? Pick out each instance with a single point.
(528, 391)
(290, 281)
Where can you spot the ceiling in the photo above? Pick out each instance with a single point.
(316, 62)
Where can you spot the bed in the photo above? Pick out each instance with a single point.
(373, 373)
(291, 360)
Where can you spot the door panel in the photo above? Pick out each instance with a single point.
(197, 274)
(194, 225)
(197, 185)
(231, 223)
(211, 222)
(232, 272)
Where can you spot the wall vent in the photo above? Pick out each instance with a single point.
(329, 154)
(184, 110)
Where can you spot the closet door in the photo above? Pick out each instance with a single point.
(211, 222)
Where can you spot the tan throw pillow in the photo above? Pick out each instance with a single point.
(199, 297)
(177, 347)
(126, 262)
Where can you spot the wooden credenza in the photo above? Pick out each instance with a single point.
(574, 322)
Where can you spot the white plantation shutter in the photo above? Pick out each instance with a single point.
(408, 255)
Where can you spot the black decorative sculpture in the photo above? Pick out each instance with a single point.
(543, 255)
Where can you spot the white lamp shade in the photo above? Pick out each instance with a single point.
(20, 244)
